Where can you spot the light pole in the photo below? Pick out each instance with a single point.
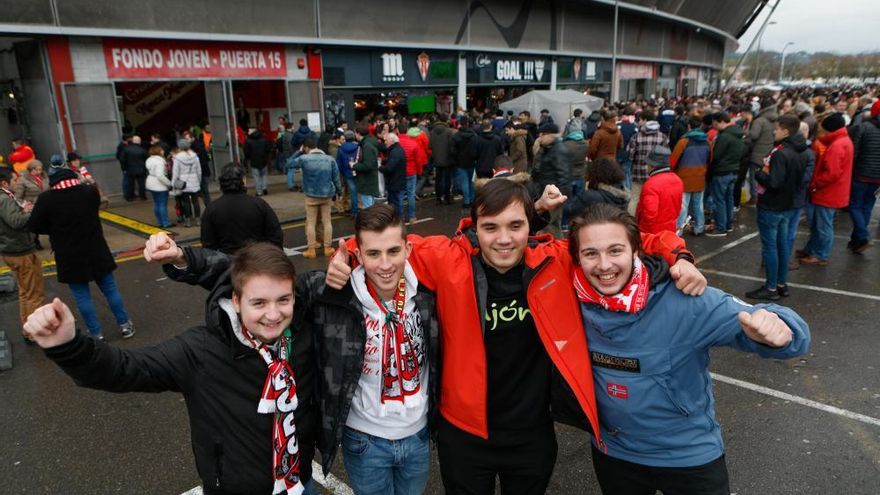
(758, 51)
(782, 63)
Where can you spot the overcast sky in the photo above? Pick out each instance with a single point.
(845, 26)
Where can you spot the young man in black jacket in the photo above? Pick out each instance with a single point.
(778, 181)
(247, 374)
(376, 346)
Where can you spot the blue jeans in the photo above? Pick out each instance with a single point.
(367, 200)
(83, 299)
(775, 245)
(395, 198)
(260, 176)
(444, 182)
(627, 166)
(693, 202)
(464, 178)
(821, 232)
(722, 197)
(793, 222)
(309, 488)
(411, 181)
(160, 207)
(378, 466)
(352, 192)
(861, 202)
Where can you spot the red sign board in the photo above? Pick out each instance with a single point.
(161, 59)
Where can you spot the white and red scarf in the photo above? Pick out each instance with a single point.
(401, 373)
(279, 398)
(631, 299)
(66, 183)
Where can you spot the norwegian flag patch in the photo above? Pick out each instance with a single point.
(617, 390)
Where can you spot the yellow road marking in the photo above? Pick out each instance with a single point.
(130, 223)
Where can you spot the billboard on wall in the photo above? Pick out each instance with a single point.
(508, 69)
(172, 59)
(389, 68)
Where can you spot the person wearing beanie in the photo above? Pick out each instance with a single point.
(866, 177)
(661, 196)
(68, 213)
(828, 190)
(18, 248)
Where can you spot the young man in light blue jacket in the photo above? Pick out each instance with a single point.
(321, 186)
(649, 348)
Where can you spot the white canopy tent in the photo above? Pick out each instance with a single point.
(561, 104)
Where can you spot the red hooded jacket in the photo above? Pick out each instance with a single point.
(660, 202)
(446, 267)
(832, 176)
(415, 154)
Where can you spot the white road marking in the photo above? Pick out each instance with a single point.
(798, 400)
(799, 286)
(297, 251)
(726, 247)
(331, 483)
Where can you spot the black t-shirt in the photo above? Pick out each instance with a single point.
(519, 368)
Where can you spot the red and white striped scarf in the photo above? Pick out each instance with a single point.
(279, 398)
(631, 299)
(66, 183)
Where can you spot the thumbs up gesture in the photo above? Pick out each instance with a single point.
(51, 325)
(339, 270)
(160, 248)
(765, 327)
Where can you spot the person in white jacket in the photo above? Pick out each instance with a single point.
(186, 178)
(158, 184)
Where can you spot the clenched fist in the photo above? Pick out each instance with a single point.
(765, 327)
(51, 325)
(160, 248)
(550, 199)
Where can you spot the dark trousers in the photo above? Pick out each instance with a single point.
(619, 477)
(522, 461)
(137, 186)
(444, 183)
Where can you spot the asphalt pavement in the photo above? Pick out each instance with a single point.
(803, 426)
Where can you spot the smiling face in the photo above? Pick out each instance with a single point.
(606, 256)
(383, 256)
(265, 306)
(503, 237)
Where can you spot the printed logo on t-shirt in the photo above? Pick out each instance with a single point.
(505, 313)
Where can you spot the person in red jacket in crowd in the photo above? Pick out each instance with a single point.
(21, 156)
(828, 189)
(660, 201)
(511, 338)
(416, 158)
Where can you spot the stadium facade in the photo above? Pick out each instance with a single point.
(75, 73)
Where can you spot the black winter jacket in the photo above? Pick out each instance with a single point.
(236, 219)
(465, 148)
(340, 336)
(440, 141)
(787, 167)
(866, 143)
(580, 201)
(490, 146)
(394, 169)
(553, 166)
(256, 151)
(134, 159)
(221, 381)
(70, 218)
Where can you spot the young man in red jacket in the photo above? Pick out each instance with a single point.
(829, 189)
(416, 158)
(498, 286)
(660, 200)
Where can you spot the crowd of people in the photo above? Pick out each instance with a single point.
(351, 356)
